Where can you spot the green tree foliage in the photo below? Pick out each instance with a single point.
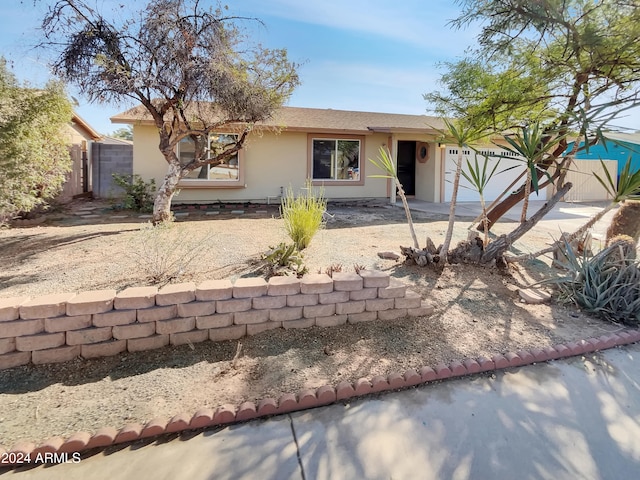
(125, 133)
(572, 65)
(34, 157)
(190, 67)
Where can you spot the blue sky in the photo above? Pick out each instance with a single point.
(370, 55)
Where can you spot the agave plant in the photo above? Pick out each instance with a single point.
(607, 284)
(284, 259)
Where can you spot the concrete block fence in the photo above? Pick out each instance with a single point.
(59, 327)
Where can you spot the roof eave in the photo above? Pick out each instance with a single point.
(424, 131)
(85, 127)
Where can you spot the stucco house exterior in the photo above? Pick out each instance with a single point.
(331, 147)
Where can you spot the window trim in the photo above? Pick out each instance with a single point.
(329, 182)
(187, 183)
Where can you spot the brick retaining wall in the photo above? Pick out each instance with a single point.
(59, 327)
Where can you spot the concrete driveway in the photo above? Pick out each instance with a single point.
(571, 419)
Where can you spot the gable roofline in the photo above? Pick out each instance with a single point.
(316, 120)
(84, 127)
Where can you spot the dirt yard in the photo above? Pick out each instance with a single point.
(478, 312)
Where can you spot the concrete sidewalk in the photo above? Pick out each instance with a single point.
(570, 419)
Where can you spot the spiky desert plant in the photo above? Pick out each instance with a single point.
(284, 259)
(479, 176)
(532, 143)
(607, 284)
(385, 163)
(303, 214)
(464, 134)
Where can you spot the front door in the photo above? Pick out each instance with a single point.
(407, 166)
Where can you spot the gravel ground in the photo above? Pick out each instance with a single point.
(478, 312)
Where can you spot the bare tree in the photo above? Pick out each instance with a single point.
(190, 67)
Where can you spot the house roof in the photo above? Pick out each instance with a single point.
(325, 120)
(85, 128)
(115, 141)
(624, 137)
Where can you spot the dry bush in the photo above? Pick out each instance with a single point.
(165, 252)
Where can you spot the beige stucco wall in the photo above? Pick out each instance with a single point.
(73, 135)
(272, 161)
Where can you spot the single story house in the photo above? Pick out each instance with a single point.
(330, 147)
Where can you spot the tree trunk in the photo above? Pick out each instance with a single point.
(162, 202)
(626, 221)
(452, 209)
(512, 200)
(527, 194)
(484, 221)
(499, 246)
(407, 212)
(575, 235)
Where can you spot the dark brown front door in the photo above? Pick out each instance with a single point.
(407, 166)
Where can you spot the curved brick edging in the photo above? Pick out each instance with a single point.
(311, 398)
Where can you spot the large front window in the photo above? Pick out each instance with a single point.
(336, 159)
(229, 170)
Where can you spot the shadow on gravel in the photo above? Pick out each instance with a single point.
(36, 244)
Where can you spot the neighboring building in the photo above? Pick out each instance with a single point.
(110, 155)
(617, 146)
(331, 147)
(80, 136)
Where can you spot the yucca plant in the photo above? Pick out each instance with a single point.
(532, 143)
(607, 284)
(478, 176)
(463, 133)
(385, 163)
(303, 215)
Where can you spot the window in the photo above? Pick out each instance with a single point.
(216, 143)
(335, 159)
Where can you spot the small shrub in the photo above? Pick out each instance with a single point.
(607, 284)
(284, 260)
(303, 215)
(165, 252)
(139, 195)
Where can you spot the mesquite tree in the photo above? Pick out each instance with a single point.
(189, 67)
(571, 65)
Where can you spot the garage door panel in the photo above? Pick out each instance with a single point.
(508, 171)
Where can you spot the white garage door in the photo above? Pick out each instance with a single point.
(498, 183)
